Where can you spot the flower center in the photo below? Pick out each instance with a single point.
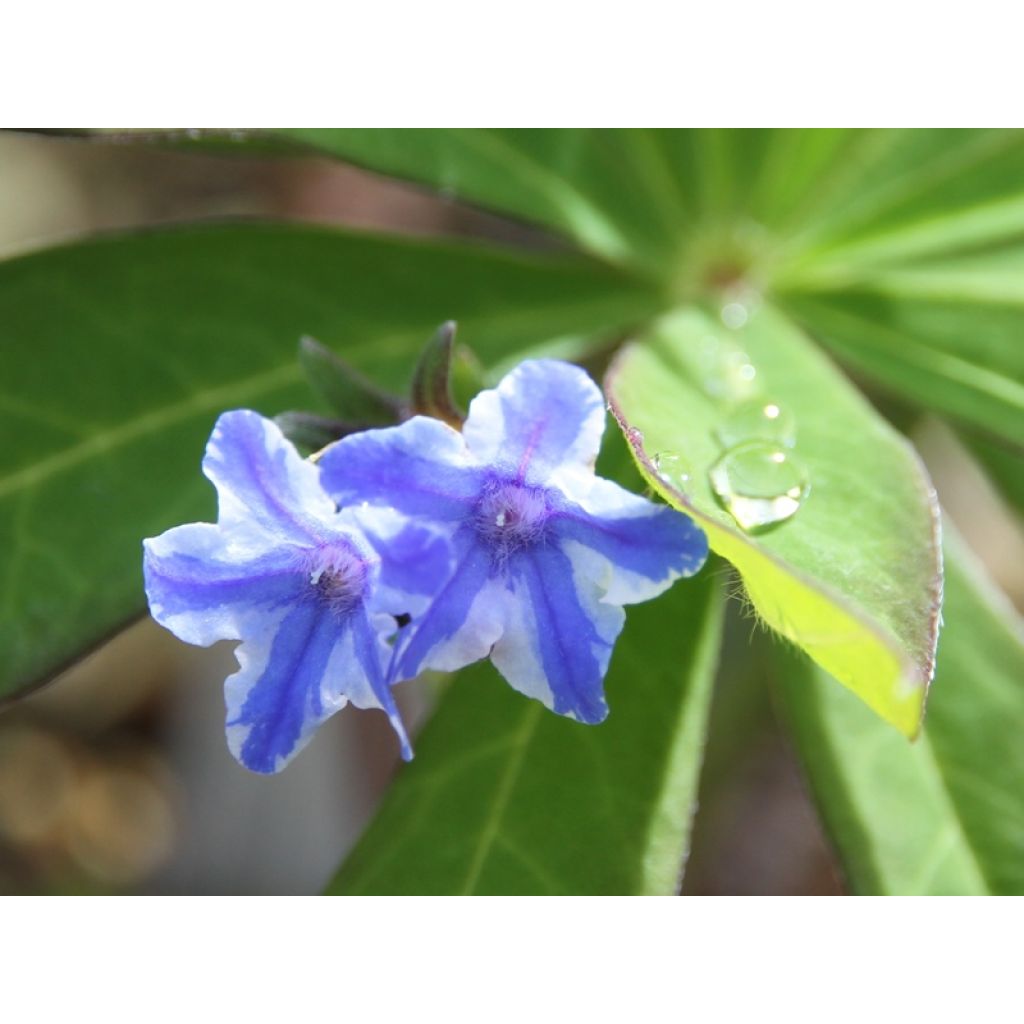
(511, 516)
(338, 576)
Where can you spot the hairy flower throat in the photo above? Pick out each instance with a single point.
(338, 576)
(510, 516)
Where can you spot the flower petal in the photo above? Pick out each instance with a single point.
(559, 637)
(543, 414)
(462, 622)
(421, 468)
(201, 588)
(296, 669)
(414, 560)
(631, 547)
(366, 686)
(264, 488)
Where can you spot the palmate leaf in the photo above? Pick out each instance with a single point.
(898, 249)
(944, 815)
(855, 576)
(836, 224)
(505, 797)
(117, 355)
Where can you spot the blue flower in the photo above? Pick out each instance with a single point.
(545, 553)
(300, 584)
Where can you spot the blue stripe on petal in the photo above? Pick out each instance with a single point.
(644, 547)
(278, 690)
(574, 635)
(543, 415)
(419, 468)
(463, 621)
(201, 591)
(263, 485)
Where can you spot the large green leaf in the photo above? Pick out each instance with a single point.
(117, 355)
(944, 814)
(855, 576)
(505, 797)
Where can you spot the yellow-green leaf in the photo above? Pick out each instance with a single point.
(854, 577)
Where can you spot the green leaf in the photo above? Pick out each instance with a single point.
(346, 392)
(945, 814)
(505, 797)
(946, 335)
(310, 432)
(117, 355)
(824, 197)
(432, 381)
(569, 179)
(854, 577)
(902, 195)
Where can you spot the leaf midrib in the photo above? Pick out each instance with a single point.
(506, 785)
(105, 441)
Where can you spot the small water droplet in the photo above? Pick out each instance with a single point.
(734, 315)
(726, 372)
(757, 420)
(672, 468)
(759, 483)
(635, 436)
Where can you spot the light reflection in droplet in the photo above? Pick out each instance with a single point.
(672, 469)
(756, 419)
(759, 484)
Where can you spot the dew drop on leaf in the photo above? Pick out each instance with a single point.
(724, 371)
(673, 469)
(734, 315)
(757, 419)
(759, 483)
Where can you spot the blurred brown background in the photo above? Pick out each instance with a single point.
(116, 777)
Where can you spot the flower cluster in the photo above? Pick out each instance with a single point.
(415, 547)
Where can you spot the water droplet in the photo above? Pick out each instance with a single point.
(726, 371)
(734, 315)
(635, 436)
(672, 468)
(757, 419)
(759, 483)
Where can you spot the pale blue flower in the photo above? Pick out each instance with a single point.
(300, 584)
(545, 553)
